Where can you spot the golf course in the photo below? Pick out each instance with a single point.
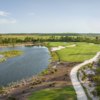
(79, 53)
(49, 50)
(52, 81)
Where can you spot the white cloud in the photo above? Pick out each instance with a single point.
(7, 21)
(3, 13)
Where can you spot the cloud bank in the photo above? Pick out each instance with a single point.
(5, 18)
(3, 13)
(7, 21)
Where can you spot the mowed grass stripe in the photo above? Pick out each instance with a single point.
(81, 52)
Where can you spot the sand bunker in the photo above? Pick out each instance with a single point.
(62, 47)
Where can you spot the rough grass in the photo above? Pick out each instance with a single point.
(11, 53)
(79, 53)
(66, 93)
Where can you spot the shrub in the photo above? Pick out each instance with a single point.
(98, 90)
(11, 98)
(52, 85)
(1, 90)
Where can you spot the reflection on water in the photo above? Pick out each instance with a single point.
(33, 61)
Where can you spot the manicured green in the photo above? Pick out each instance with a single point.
(66, 93)
(79, 53)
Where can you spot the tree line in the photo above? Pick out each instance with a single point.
(5, 40)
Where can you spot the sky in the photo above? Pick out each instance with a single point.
(49, 16)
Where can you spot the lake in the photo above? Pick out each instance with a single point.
(31, 62)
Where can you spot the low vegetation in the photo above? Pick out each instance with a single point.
(49, 71)
(90, 74)
(96, 79)
(2, 59)
(1, 90)
(66, 93)
(9, 54)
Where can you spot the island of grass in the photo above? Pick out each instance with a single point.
(9, 54)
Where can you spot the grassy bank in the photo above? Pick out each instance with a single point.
(66, 93)
(54, 54)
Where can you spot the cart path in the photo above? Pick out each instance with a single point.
(76, 83)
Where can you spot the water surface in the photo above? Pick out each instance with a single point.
(31, 62)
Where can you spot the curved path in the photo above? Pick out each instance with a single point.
(75, 82)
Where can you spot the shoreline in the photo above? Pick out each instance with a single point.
(52, 64)
(10, 86)
(16, 45)
(38, 79)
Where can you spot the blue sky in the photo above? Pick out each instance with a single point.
(46, 16)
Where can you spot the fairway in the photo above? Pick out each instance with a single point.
(66, 93)
(82, 51)
(55, 44)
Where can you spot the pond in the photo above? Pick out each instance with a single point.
(31, 62)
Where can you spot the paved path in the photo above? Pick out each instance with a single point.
(73, 75)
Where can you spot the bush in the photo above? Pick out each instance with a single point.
(98, 90)
(97, 79)
(83, 78)
(1, 90)
(11, 98)
(52, 85)
(94, 93)
(90, 65)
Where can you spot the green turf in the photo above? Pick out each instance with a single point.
(55, 44)
(81, 52)
(66, 93)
